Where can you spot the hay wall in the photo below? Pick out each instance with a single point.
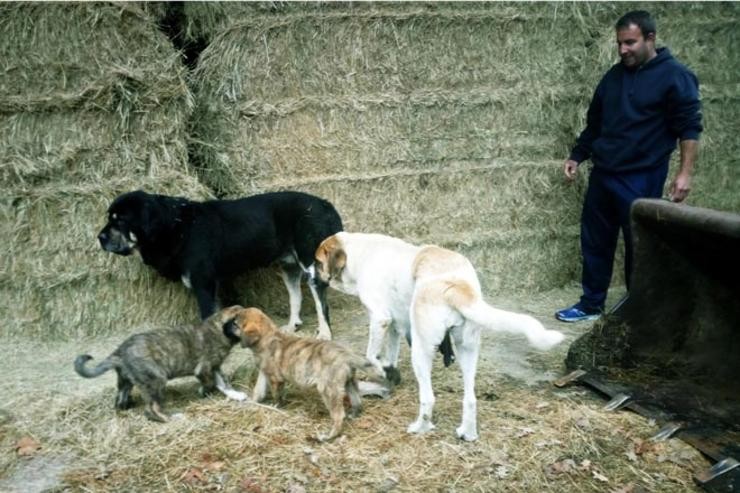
(93, 102)
(444, 123)
(439, 122)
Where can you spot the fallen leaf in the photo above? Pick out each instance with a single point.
(631, 455)
(600, 477)
(642, 446)
(561, 467)
(27, 446)
(192, 475)
(250, 485)
(211, 462)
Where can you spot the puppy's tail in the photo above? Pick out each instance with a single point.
(102, 367)
(483, 314)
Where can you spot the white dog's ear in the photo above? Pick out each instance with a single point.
(330, 257)
(337, 262)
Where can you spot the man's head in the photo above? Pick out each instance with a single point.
(636, 38)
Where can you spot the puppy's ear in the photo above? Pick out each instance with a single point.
(249, 338)
(231, 330)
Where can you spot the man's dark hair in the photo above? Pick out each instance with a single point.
(641, 19)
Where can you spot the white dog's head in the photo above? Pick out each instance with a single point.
(330, 260)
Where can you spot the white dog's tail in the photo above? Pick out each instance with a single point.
(497, 320)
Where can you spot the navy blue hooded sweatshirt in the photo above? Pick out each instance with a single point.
(636, 116)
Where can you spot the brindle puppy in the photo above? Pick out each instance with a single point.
(304, 362)
(149, 359)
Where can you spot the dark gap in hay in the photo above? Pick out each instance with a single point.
(174, 23)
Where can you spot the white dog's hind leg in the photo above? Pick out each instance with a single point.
(467, 341)
(421, 359)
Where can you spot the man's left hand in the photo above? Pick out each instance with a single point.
(680, 187)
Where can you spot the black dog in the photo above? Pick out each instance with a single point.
(206, 244)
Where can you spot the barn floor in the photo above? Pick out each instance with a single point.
(59, 432)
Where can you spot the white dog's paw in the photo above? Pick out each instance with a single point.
(467, 433)
(236, 395)
(420, 426)
(177, 416)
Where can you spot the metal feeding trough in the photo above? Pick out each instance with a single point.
(671, 350)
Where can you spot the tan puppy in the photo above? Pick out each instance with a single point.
(325, 365)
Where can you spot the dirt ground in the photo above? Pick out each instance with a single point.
(59, 432)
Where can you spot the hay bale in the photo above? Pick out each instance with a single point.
(435, 121)
(94, 103)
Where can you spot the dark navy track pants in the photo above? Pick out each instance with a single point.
(606, 210)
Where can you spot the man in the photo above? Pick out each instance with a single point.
(641, 107)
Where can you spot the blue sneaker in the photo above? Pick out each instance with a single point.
(576, 314)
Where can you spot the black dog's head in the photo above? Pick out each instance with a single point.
(135, 218)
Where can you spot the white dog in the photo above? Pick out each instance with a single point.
(428, 291)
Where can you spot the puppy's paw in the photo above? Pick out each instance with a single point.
(235, 395)
(420, 426)
(466, 433)
(177, 416)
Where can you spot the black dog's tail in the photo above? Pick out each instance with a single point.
(102, 367)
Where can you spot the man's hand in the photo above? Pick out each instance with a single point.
(571, 169)
(681, 184)
(680, 187)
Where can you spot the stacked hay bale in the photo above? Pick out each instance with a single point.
(439, 122)
(93, 103)
(444, 123)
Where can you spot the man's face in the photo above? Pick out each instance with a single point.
(634, 49)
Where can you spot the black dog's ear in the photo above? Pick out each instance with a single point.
(231, 330)
(153, 220)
